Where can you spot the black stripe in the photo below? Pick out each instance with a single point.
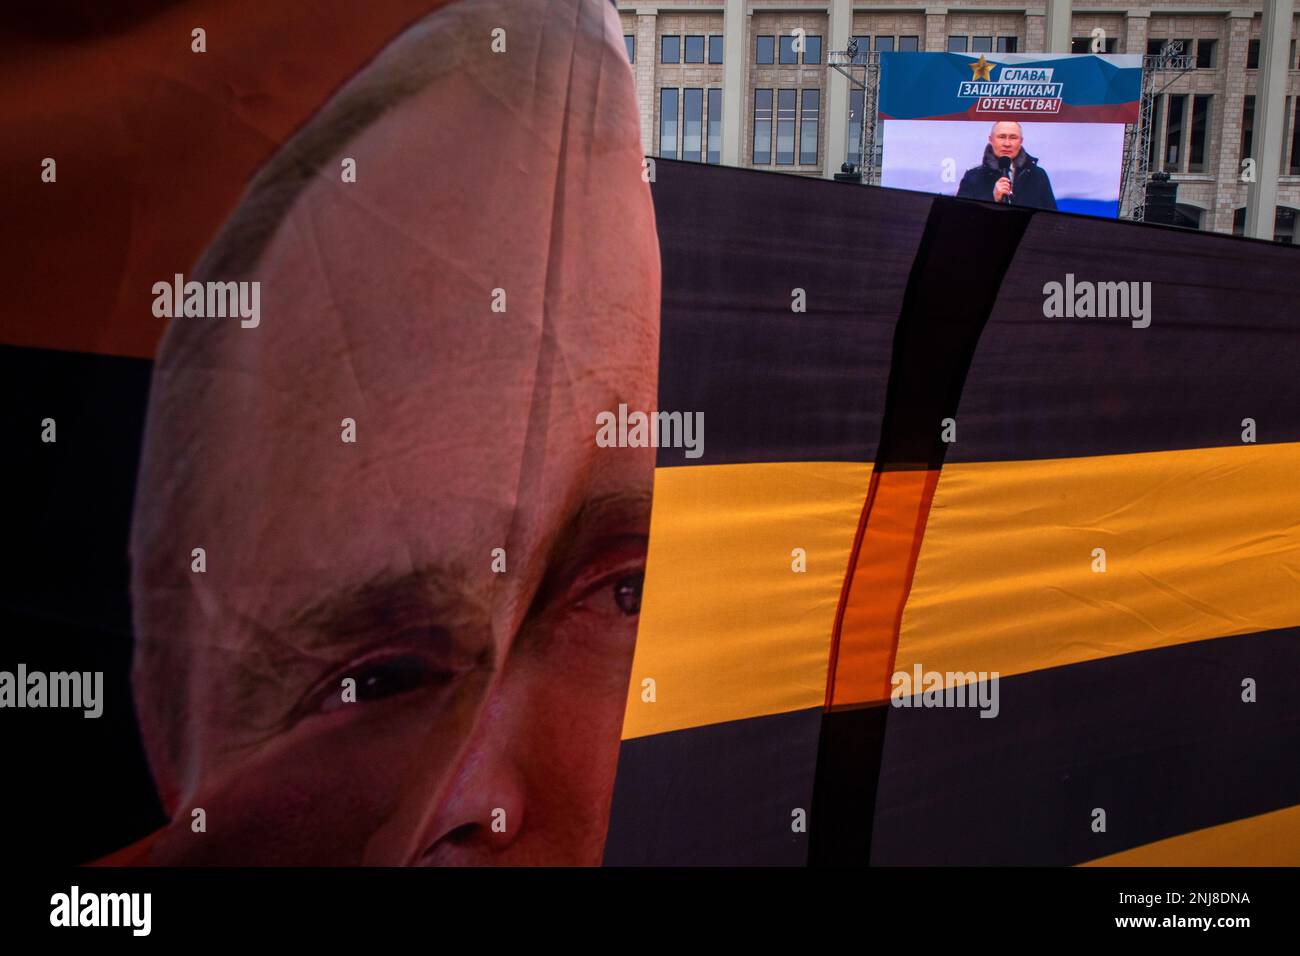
(844, 797)
(67, 505)
(969, 246)
(776, 385)
(1160, 740)
(1222, 346)
(965, 251)
(719, 794)
(63, 599)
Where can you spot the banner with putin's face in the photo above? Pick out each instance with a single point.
(1038, 130)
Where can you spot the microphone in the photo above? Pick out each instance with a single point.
(1004, 164)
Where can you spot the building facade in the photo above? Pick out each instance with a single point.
(734, 82)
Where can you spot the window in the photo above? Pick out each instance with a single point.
(1189, 217)
(1156, 47)
(1172, 156)
(785, 108)
(762, 127)
(668, 123)
(812, 49)
(629, 41)
(694, 50)
(864, 45)
(1283, 224)
(855, 128)
(1205, 58)
(1294, 167)
(765, 50)
(1200, 124)
(1157, 112)
(1084, 45)
(884, 44)
(1247, 127)
(692, 124)
(1008, 44)
(956, 44)
(981, 44)
(715, 49)
(809, 112)
(670, 49)
(1286, 139)
(715, 127)
(788, 54)
(1252, 55)
(911, 44)
(1186, 133)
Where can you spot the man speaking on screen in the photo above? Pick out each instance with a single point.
(1008, 174)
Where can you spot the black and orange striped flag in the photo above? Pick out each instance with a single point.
(1104, 515)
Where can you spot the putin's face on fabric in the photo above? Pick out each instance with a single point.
(413, 647)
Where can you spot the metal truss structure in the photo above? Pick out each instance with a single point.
(862, 67)
(1163, 67)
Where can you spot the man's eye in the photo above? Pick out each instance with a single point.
(607, 582)
(627, 593)
(379, 679)
(619, 595)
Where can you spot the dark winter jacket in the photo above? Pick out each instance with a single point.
(1029, 187)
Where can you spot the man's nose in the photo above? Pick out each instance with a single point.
(481, 812)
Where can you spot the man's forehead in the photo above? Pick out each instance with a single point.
(438, 235)
(443, 390)
(458, 274)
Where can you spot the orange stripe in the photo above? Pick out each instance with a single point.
(1031, 599)
(838, 628)
(1269, 839)
(717, 652)
(865, 641)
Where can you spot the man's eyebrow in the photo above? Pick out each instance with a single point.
(442, 596)
(619, 504)
(427, 596)
(431, 602)
(594, 513)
